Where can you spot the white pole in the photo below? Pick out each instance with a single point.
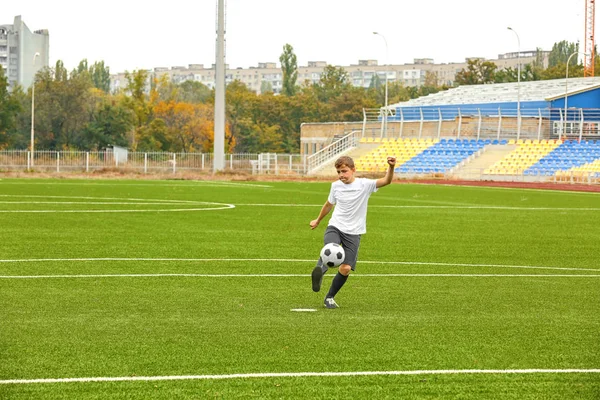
(174, 162)
(539, 123)
(439, 133)
(499, 122)
(145, 163)
(518, 83)
(33, 109)
(567, 90)
(479, 124)
(385, 113)
(87, 161)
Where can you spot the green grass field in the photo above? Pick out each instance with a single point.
(184, 289)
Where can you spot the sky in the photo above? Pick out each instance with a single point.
(130, 35)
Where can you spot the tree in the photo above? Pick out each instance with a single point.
(193, 92)
(560, 53)
(9, 108)
(63, 108)
(109, 125)
(477, 72)
(333, 81)
(289, 67)
(137, 102)
(100, 75)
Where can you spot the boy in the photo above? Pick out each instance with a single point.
(350, 196)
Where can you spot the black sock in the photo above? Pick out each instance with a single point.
(336, 285)
(323, 267)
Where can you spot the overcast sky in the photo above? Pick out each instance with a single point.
(179, 32)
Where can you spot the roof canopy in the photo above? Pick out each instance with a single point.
(505, 92)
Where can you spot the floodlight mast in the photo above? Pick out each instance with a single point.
(219, 133)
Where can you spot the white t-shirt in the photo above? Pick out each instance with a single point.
(350, 199)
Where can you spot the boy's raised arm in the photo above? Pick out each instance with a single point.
(389, 175)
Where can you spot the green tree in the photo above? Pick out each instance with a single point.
(63, 107)
(266, 86)
(239, 104)
(560, 53)
(136, 100)
(333, 81)
(289, 67)
(9, 109)
(477, 72)
(193, 92)
(100, 75)
(109, 125)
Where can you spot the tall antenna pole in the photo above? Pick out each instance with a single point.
(219, 136)
(589, 49)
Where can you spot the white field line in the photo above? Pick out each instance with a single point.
(192, 184)
(296, 276)
(483, 207)
(115, 201)
(227, 206)
(299, 375)
(287, 260)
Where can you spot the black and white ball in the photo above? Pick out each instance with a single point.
(332, 254)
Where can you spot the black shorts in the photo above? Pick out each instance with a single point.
(350, 243)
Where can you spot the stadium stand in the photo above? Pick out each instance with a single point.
(527, 153)
(403, 149)
(570, 156)
(442, 156)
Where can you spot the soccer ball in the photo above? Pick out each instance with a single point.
(332, 254)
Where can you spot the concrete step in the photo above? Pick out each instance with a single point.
(491, 155)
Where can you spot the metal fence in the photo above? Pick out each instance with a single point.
(485, 123)
(156, 162)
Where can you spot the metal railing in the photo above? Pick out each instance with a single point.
(484, 123)
(335, 149)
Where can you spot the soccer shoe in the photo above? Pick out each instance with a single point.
(317, 278)
(330, 303)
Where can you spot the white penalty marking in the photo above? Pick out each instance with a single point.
(299, 375)
(287, 260)
(304, 309)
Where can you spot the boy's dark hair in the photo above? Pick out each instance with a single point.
(344, 160)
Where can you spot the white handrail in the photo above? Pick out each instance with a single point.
(349, 141)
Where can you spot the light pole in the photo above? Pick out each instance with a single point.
(33, 107)
(564, 125)
(518, 82)
(385, 113)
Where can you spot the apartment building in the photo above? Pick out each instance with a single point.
(268, 76)
(23, 52)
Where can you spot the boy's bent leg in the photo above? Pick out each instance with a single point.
(332, 235)
(317, 275)
(338, 281)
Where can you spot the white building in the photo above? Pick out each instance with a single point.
(18, 49)
(268, 76)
